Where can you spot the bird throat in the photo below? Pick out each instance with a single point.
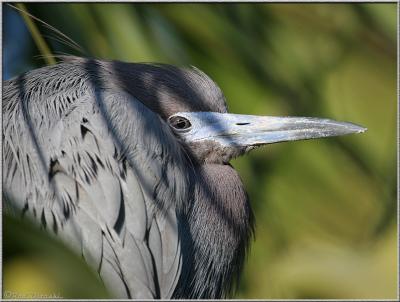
(218, 233)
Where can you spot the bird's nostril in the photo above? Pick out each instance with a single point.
(242, 124)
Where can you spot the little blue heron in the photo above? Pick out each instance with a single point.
(128, 164)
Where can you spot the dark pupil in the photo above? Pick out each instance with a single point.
(180, 124)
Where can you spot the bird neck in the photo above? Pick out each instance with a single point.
(219, 227)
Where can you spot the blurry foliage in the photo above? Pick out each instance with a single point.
(325, 209)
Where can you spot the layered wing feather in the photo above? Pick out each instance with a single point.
(99, 170)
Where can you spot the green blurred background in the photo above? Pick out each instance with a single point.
(326, 210)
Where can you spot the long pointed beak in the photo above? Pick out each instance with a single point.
(251, 130)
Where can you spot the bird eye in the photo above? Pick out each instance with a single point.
(180, 123)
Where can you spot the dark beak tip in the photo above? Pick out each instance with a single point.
(362, 130)
(354, 128)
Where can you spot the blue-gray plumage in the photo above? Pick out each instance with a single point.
(129, 165)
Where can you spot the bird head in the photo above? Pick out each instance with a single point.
(195, 109)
